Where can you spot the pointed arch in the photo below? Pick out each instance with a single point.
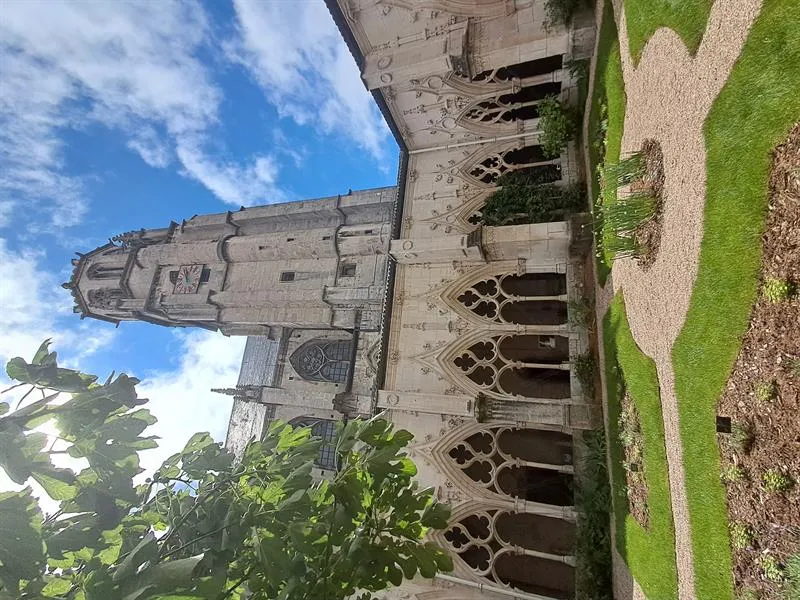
(505, 365)
(323, 360)
(503, 294)
(483, 535)
(484, 167)
(464, 217)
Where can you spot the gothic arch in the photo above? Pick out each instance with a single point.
(323, 360)
(484, 536)
(484, 167)
(554, 479)
(505, 365)
(503, 294)
(463, 217)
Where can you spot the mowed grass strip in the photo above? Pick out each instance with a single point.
(755, 111)
(650, 554)
(687, 18)
(609, 89)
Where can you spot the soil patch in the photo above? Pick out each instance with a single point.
(763, 395)
(648, 234)
(632, 441)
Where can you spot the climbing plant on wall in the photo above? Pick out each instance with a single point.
(523, 198)
(204, 525)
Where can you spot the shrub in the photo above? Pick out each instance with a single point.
(766, 391)
(741, 535)
(773, 481)
(771, 568)
(558, 124)
(732, 474)
(523, 198)
(560, 12)
(793, 364)
(777, 290)
(742, 437)
(593, 544)
(627, 170)
(620, 220)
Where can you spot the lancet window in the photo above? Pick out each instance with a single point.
(517, 550)
(527, 299)
(101, 271)
(531, 366)
(324, 429)
(323, 360)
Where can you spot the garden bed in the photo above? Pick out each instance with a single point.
(648, 234)
(763, 396)
(630, 434)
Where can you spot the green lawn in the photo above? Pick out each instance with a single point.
(754, 112)
(650, 555)
(686, 17)
(609, 89)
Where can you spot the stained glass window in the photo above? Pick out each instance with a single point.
(321, 360)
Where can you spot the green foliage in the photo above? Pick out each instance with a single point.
(523, 198)
(741, 535)
(606, 119)
(777, 290)
(585, 367)
(560, 12)
(581, 312)
(593, 550)
(558, 124)
(793, 365)
(204, 526)
(621, 215)
(766, 391)
(771, 568)
(775, 482)
(747, 594)
(742, 437)
(732, 474)
(792, 573)
(644, 17)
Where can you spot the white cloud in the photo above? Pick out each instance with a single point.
(32, 303)
(246, 185)
(117, 63)
(182, 399)
(304, 68)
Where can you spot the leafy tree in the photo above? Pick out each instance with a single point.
(204, 525)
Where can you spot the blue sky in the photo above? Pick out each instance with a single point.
(116, 116)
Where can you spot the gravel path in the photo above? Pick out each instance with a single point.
(669, 95)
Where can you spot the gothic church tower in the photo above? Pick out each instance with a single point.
(317, 264)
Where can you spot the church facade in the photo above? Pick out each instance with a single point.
(400, 301)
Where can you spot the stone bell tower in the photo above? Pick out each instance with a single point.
(315, 264)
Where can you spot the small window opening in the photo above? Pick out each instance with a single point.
(289, 239)
(326, 237)
(369, 232)
(204, 275)
(347, 270)
(287, 276)
(173, 277)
